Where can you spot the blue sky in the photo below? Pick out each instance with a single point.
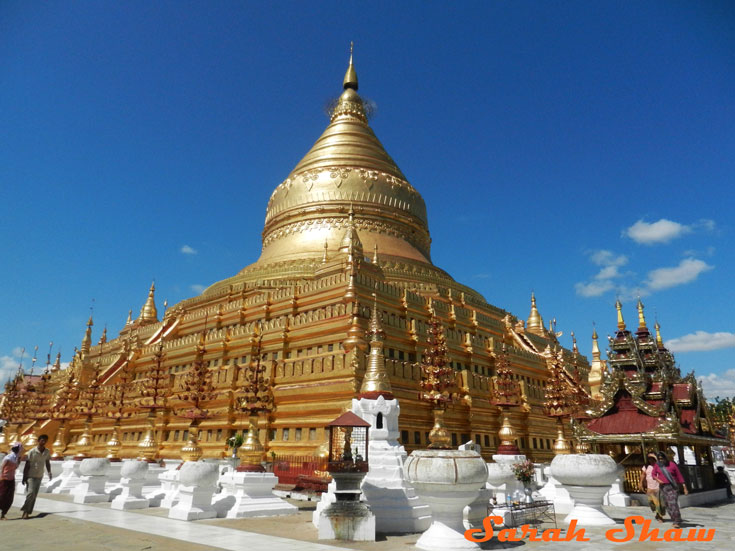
(582, 150)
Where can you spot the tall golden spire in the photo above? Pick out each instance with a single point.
(659, 340)
(595, 346)
(130, 318)
(87, 340)
(376, 381)
(148, 313)
(534, 324)
(350, 80)
(621, 321)
(641, 317)
(575, 348)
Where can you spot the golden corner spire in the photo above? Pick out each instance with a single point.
(87, 340)
(621, 321)
(130, 318)
(641, 317)
(350, 80)
(595, 346)
(376, 381)
(148, 313)
(575, 348)
(535, 323)
(57, 363)
(659, 340)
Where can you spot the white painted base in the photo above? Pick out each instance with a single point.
(440, 537)
(616, 495)
(68, 479)
(327, 498)
(196, 488)
(131, 496)
(587, 510)
(247, 494)
(347, 523)
(91, 489)
(169, 488)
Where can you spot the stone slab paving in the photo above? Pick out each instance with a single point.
(150, 530)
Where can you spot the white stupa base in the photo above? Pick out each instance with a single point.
(68, 479)
(250, 494)
(355, 523)
(440, 537)
(393, 501)
(327, 498)
(587, 510)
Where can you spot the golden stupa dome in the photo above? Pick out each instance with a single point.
(347, 168)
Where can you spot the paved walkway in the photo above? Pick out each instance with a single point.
(71, 527)
(213, 537)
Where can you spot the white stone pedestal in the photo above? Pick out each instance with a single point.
(347, 518)
(93, 476)
(196, 487)
(615, 494)
(500, 476)
(586, 477)
(476, 511)
(554, 491)
(326, 498)
(587, 510)
(393, 501)
(68, 478)
(250, 494)
(48, 485)
(448, 480)
(347, 522)
(133, 474)
(168, 494)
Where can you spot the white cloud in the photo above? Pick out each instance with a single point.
(687, 271)
(663, 231)
(718, 384)
(186, 249)
(608, 272)
(8, 368)
(594, 288)
(701, 340)
(197, 288)
(608, 258)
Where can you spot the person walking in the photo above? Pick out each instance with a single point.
(37, 458)
(669, 478)
(7, 478)
(651, 487)
(723, 481)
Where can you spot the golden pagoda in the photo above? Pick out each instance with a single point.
(302, 311)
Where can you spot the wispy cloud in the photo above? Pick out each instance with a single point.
(482, 276)
(701, 340)
(602, 282)
(197, 288)
(186, 249)
(9, 364)
(687, 271)
(718, 384)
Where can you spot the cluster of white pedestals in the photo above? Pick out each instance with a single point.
(190, 490)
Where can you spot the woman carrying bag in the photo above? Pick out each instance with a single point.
(651, 487)
(668, 476)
